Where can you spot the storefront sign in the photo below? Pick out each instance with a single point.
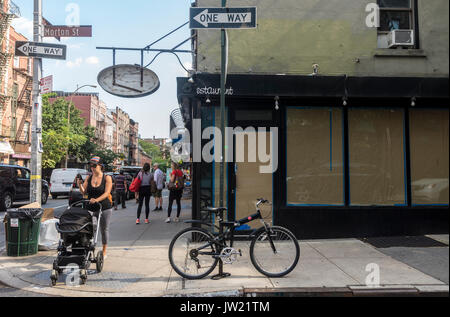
(211, 91)
(21, 156)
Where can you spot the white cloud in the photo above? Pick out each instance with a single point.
(23, 26)
(76, 63)
(93, 60)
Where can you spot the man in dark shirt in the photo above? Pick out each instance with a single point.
(121, 190)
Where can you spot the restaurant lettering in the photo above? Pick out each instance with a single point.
(213, 91)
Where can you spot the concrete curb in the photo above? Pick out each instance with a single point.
(356, 291)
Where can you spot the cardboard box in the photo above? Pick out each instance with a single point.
(33, 205)
(49, 213)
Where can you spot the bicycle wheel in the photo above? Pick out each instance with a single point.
(191, 253)
(278, 258)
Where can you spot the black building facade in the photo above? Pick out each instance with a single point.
(355, 156)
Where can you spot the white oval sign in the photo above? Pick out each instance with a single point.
(129, 81)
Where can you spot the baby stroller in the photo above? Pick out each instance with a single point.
(78, 227)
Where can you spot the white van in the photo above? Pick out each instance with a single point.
(62, 179)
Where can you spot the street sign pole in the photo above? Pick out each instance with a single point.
(222, 109)
(36, 151)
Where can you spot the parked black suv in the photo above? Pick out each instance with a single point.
(15, 186)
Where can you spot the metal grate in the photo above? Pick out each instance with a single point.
(408, 242)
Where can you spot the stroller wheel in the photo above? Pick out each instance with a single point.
(83, 277)
(99, 261)
(54, 277)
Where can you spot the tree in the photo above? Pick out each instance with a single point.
(152, 150)
(87, 150)
(57, 137)
(108, 157)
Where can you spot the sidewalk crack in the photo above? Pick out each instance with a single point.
(351, 277)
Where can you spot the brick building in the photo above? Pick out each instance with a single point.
(133, 154)
(93, 110)
(15, 91)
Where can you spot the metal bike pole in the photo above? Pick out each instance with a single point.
(221, 274)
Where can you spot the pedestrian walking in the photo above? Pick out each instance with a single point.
(176, 186)
(120, 190)
(159, 181)
(146, 177)
(98, 187)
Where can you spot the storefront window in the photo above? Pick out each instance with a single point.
(314, 156)
(377, 157)
(429, 156)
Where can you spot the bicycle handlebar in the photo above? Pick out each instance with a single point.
(261, 201)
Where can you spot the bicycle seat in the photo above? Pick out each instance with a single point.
(215, 209)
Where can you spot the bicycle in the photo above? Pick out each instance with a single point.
(195, 252)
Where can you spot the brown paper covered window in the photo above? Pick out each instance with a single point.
(377, 157)
(429, 156)
(314, 156)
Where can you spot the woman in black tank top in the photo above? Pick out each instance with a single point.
(98, 187)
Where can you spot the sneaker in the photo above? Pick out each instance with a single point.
(138, 222)
(156, 209)
(160, 208)
(168, 220)
(177, 219)
(147, 221)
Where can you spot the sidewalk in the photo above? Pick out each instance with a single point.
(138, 265)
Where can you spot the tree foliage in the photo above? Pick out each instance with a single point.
(57, 136)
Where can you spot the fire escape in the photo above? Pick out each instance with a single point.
(8, 11)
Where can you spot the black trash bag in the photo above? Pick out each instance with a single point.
(25, 214)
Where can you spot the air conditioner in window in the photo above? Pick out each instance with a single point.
(400, 38)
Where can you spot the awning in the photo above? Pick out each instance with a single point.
(5, 148)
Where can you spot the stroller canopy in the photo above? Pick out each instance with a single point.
(73, 219)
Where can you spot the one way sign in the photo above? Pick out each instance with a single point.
(223, 18)
(41, 50)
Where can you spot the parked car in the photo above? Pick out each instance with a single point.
(15, 186)
(61, 181)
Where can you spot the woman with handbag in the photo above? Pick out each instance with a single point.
(176, 186)
(98, 187)
(145, 176)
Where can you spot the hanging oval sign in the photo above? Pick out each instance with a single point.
(128, 81)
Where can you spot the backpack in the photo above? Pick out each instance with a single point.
(178, 183)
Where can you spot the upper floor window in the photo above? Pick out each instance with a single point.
(396, 15)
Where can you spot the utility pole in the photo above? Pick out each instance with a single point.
(36, 150)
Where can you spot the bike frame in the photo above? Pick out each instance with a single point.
(221, 238)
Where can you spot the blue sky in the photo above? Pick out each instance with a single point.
(134, 23)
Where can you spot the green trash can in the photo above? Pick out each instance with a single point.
(22, 231)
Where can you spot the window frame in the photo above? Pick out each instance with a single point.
(406, 155)
(411, 10)
(414, 20)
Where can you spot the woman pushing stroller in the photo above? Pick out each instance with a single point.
(98, 187)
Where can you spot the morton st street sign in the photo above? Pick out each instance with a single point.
(67, 31)
(223, 18)
(41, 50)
